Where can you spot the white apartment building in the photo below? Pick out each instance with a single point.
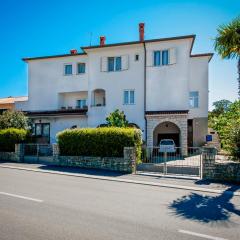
(159, 84)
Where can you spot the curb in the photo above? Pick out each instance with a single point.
(112, 179)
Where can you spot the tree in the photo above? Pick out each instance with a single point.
(227, 43)
(117, 119)
(227, 125)
(14, 119)
(221, 106)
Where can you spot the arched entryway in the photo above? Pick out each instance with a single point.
(166, 130)
(98, 98)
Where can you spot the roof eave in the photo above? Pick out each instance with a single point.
(53, 56)
(139, 42)
(209, 55)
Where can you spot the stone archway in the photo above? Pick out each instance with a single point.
(166, 130)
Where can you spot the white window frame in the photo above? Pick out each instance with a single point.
(114, 64)
(161, 57)
(64, 72)
(128, 103)
(194, 98)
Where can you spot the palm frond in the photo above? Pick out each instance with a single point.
(227, 42)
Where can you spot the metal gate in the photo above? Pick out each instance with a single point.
(171, 163)
(38, 153)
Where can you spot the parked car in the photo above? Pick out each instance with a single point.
(167, 145)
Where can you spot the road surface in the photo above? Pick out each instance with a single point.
(37, 205)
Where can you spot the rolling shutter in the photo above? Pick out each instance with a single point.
(125, 62)
(104, 64)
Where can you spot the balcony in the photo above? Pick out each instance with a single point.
(72, 101)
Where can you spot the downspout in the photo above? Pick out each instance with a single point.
(145, 86)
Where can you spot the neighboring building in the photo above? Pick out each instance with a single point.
(9, 103)
(159, 84)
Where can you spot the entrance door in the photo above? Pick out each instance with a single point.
(42, 132)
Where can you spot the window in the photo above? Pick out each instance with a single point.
(81, 68)
(136, 57)
(42, 130)
(193, 99)
(165, 57)
(82, 103)
(114, 64)
(129, 97)
(68, 69)
(161, 58)
(157, 58)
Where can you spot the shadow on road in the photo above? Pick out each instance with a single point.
(96, 172)
(206, 208)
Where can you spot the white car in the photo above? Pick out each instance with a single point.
(167, 145)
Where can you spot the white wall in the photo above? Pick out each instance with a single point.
(167, 86)
(46, 79)
(58, 124)
(114, 83)
(198, 81)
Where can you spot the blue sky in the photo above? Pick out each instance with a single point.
(48, 27)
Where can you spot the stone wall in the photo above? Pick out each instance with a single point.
(16, 156)
(9, 156)
(179, 119)
(125, 164)
(212, 170)
(107, 163)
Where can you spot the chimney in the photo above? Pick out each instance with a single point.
(141, 32)
(73, 51)
(102, 40)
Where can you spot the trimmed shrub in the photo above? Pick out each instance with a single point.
(9, 137)
(102, 142)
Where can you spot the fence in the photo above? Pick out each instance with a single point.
(171, 161)
(38, 150)
(38, 153)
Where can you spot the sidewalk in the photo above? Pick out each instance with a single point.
(144, 179)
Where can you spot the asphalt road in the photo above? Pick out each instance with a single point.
(47, 206)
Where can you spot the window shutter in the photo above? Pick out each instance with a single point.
(103, 64)
(149, 58)
(124, 62)
(172, 56)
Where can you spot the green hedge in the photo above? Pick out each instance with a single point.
(9, 137)
(102, 142)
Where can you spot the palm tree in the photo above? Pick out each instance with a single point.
(227, 43)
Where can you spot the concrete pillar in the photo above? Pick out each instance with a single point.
(19, 152)
(183, 137)
(56, 153)
(208, 162)
(129, 154)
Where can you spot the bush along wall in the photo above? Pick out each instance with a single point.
(100, 142)
(11, 136)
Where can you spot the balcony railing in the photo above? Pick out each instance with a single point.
(62, 111)
(98, 105)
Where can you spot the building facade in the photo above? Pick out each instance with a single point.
(159, 84)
